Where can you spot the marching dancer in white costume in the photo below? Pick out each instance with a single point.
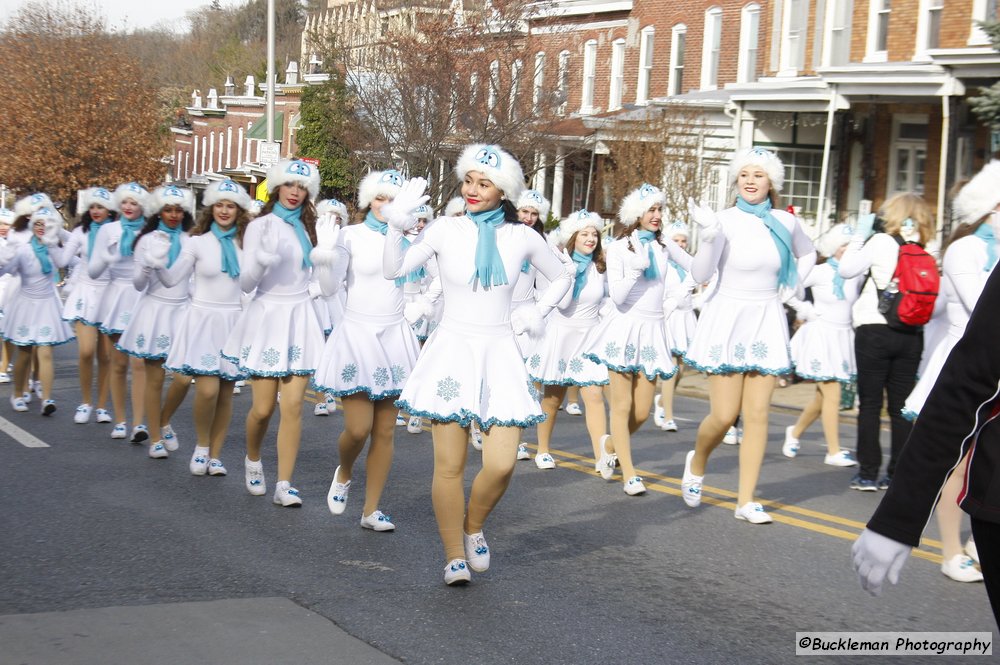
(34, 322)
(329, 308)
(278, 339)
(8, 285)
(370, 354)
(632, 341)
(558, 360)
(823, 347)
(742, 336)
(212, 256)
(471, 370)
(112, 256)
(150, 332)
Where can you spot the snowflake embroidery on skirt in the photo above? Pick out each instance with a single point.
(270, 356)
(124, 318)
(163, 342)
(562, 366)
(349, 373)
(758, 349)
(629, 352)
(575, 365)
(648, 354)
(535, 395)
(740, 352)
(398, 373)
(22, 331)
(79, 304)
(44, 331)
(611, 349)
(380, 376)
(448, 388)
(294, 353)
(535, 361)
(715, 353)
(245, 352)
(209, 360)
(846, 366)
(815, 365)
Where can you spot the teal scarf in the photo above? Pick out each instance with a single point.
(230, 260)
(92, 236)
(129, 230)
(985, 233)
(490, 270)
(294, 217)
(679, 268)
(648, 240)
(372, 222)
(788, 275)
(175, 241)
(42, 254)
(838, 281)
(582, 262)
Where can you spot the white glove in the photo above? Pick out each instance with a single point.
(399, 213)
(7, 252)
(639, 259)
(805, 311)
(420, 308)
(267, 253)
(528, 320)
(327, 237)
(51, 236)
(705, 218)
(877, 557)
(157, 247)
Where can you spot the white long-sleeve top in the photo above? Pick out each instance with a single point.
(628, 288)
(118, 267)
(149, 282)
(76, 246)
(679, 291)
(588, 305)
(453, 241)
(358, 267)
(201, 256)
(524, 288)
(745, 255)
(827, 306)
(964, 276)
(34, 283)
(878, 255)
(287, 276)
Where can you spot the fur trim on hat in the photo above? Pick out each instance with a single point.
(136, 192)
(580, 219)
(638, 202)
(758, 157)
(835, 238)
(979, 196)
(677, 229)
(379, 183)
(7, 217)
(88, 197)
(226, 190)
(424, 212)
(532, 199)
(455, 207)
(332, 206)
(29, 204)
(45, 214)
(496, 164)
(294, 170)
(171, 195)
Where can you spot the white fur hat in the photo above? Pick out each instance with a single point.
(678, 228)
(532, 199)
(638, 202)
(294, 170)
(455, 207)
(379, 183)
(496, 164)
(979, 196)
(424, 212)
(580, 219)
(136, 192)
(171, 195)
(758, 157)
(226, 190)
(31, 203)
(835, 238)
(255, 207)
(328, 206)
(7, 217)
(88, 197)
(45, 214)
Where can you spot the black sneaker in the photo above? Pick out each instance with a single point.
(883, 483)
(863, 484)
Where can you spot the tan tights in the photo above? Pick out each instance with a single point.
(667, 388)
(120, 364)
(451, 444)
(213, 409)
(22, 366)
(265, 396)
(729, 395)
(825, 404)
(949, 515)
(593, 401)
(153, 393)
(91, 345)
(364, 418)
(631, 399)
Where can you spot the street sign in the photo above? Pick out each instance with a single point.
(269, 153)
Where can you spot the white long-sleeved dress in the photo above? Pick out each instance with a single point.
(681, 321)
(115, 309)
(823, 348)
(85, 293)
(34, 316)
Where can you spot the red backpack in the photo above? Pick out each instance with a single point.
(907, 301)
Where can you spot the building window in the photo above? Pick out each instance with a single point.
(578, 191)
(494, 88)
(538, 83)
(749, 27)
(562, 84)
(675, 83)
(645, 65)
(617, 74)
(982, 10)
(878, 30)
(589, 74)
(935, 8)
(710, 49)
(794, 27)
(515, 86)
(908, 154)
(802, 177)
(837, 44)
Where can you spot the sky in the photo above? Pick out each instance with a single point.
(131, 14)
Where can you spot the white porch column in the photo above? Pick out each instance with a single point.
(557, 183)
(539, 180)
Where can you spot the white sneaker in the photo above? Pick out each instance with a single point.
(18, 403)
(120, 431)
(215, 467)
(544, 461)
(400, 420)
(377, 521)
(103, 416)
(169, 438)
(286, 495)
(606, 465)
(36, 387)
(238, 387)
(321, 409)
(732, 437)
(658, 415)
(457, 572)
(254, 477)
(139, 434)
(477, 552)
(970, 549)
(26, 397)
(752, 512)
(522, 454)
(961, 568)
(415, 425)
(690, 483)
(573, 409)
(476, 438)
(158, 451)
(82, 415)
(634, 486)
(670, 426)
(48, 407)
(336, 498)
(4, 377)
(843, 458)
(199, 462)
(791, 446)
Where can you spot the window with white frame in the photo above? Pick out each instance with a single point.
(589, 75)
(908, 154)
(538, 82)
(982, 10)
(749, 28)
(928, 27)
(578, 191)
(617, 74)
(675, 82)
(710, 49)
(562, 84)
(494, 88)
(515, 86)
(802, 177)
(879, 12)
(837, 43)
(645, 64)
(794, 29)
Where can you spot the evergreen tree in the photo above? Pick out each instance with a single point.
(986, 106)
(326, 116)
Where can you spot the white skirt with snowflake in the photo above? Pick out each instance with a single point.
(470, 373)
(558, 358)
(150, 333)
(197, 345)
(276, 335)
(740, 332)
(824, 352)
(680, 330)
(368, 354)
(115, 309)
(29, 321)
(84, 300)
(632, 342)
(915, 402)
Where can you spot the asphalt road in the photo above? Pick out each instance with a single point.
(108, 556)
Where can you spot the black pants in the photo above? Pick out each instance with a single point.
(987, 536)
(887, 365)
